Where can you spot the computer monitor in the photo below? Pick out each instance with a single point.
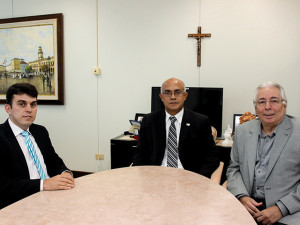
(236, 121)
(204, 100)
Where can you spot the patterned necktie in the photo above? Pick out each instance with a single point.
(33, 154)
(172, 154)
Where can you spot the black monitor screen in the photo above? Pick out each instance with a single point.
(207, 101)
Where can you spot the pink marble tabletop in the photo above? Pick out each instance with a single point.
(132, 195)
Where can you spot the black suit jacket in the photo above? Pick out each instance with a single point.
(15, 182)
(197, 150)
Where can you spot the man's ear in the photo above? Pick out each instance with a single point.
(161, 97)
(185, 95)
(7, 108)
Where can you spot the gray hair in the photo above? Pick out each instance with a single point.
(184, 88)
(271, 84)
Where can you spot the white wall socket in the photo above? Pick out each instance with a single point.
(99, 156)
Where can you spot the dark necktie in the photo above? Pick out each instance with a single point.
(172, 154)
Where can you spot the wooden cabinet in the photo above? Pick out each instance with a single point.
(121, 151)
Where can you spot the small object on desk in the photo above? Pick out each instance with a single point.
(135, 123)
(136, 132)
(136, 137)
(227, 136)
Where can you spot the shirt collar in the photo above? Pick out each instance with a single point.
(15, 129)
(178, 116)
(263, 135)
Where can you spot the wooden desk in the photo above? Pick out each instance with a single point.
(133, 195)
(220, 144)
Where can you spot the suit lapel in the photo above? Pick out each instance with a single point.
(251, 142)
(185, 125)
(281, 138)
(14, 142)
(161, 133)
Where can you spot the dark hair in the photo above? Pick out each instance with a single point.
(18, 89)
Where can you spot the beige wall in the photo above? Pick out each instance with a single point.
(142, 43)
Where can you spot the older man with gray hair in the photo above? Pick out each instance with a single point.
(264, 172)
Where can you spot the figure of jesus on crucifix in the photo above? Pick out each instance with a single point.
(198, 37)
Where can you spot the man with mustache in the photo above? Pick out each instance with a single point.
(264, 173)
(176, 137)
(28, 162)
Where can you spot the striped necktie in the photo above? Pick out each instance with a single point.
(33, 154)
(172, 154)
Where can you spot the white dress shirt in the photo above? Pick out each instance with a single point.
(33, 172)
(178, 126)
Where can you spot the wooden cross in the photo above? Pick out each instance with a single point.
(198, 38)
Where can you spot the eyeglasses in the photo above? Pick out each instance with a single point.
(273, 102)
(176, 93)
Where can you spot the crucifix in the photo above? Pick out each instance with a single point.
(198, 37)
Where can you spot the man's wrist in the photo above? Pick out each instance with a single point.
(68, 171)
(240, 196)
(284, 210)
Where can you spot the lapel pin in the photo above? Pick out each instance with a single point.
(188, 124)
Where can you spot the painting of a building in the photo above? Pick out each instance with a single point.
(39, 72)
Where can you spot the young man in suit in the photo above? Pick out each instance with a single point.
(176, 137)
(264, 173)
(28, 162)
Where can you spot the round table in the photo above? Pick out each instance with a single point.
(133, 195)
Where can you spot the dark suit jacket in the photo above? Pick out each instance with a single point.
(197, 150)
(15, 183)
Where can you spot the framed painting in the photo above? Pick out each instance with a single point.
(139, 116)
(31, 51)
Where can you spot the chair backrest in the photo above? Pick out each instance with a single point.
(217, 174)
(214, 133)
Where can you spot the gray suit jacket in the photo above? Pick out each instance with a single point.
(283, 176)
